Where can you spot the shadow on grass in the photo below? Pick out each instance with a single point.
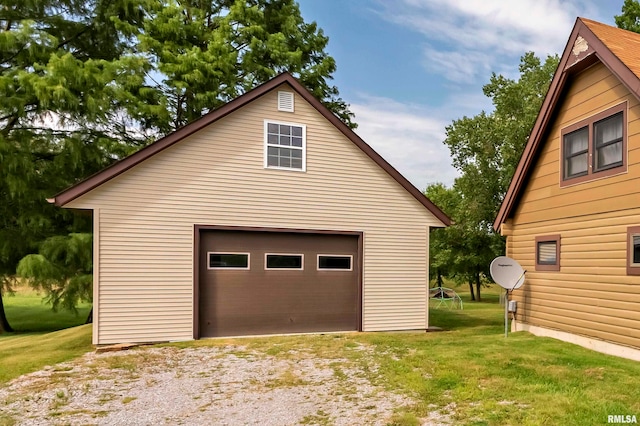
(29, 316)
(456, 320)
(487, 315)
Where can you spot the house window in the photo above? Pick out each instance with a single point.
(595, 147)
(576, 157)
(633, 250)
(330, 262)
(228, 260)
(608, 143)
(283, 261)
(284, 145)
(548, 253)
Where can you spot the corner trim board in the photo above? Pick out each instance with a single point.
(95, 305)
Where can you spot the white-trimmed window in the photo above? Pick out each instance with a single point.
(284, 145)
(335, 262)
(226, 260)
(284, 261)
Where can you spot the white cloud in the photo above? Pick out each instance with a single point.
(409, 137)
(456, 66)
(474, 35)
(463, 41)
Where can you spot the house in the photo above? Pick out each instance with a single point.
(268, 215)
(571, 215)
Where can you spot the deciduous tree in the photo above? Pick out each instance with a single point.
(486, 149)
(629, 19)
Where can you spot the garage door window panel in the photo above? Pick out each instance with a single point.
(285, 145)
(218, 260)
(282, 261)
(332, 262)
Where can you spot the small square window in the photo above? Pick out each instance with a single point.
(633, 250)
(285, 146)
(548, 253)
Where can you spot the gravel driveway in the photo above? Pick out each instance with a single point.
(220, 385)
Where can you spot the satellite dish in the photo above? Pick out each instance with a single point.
(507, 273)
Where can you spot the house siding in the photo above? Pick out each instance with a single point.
(216, 177)
(591, 295)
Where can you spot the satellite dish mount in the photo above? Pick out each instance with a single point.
(508, 274)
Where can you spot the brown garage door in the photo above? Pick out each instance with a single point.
(273, 282)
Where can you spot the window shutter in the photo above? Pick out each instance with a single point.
(285, 101)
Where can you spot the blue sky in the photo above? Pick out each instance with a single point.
(408, 68)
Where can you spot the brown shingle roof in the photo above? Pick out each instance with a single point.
(623, 44)
(617, 49)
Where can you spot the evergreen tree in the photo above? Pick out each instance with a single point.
(55, 113)
(198, 55)
(63, 269)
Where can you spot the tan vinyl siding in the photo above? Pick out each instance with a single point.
(592, 294)
(216, 177)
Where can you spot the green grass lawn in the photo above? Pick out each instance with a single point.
(22, 354)
(521, 379)
(469, 370)
(42, 337)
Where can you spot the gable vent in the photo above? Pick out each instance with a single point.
(285, 101)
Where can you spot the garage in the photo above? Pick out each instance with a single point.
(252, 220)
(268, 282)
